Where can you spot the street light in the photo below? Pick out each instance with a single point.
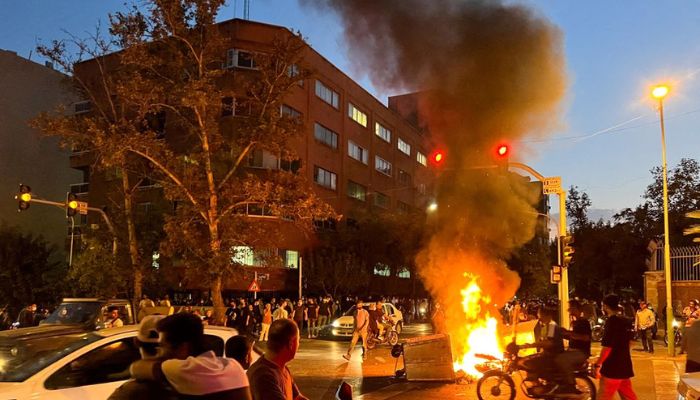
(432, 207)
(659, 92)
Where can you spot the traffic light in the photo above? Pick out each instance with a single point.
(567, 250)
(71, 204)
(437, 158)
(502, 155)
(23, 197)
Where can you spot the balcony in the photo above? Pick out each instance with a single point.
(80, 189)
(81, 159)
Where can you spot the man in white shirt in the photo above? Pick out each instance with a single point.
(361, 329)
(643, 323)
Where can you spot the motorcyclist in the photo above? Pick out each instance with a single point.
(579, 338)
(382, 320)
(549, 342)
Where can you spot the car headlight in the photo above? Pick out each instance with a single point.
(336, 323)
(675, 323)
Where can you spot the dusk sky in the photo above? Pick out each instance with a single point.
(615, 50)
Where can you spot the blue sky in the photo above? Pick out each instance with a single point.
(609, 138)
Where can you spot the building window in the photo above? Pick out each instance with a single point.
(226, 106)
(325, 178)
(382, 269)
(357, 191)
(82, 107)
(288, 111)
(290, 165)
(382, 165)
(243, 255)
(293, 71)
(403, 273)
(402, 207)
(381, 200)
(358, 153)
(420, 157)
(356, 115)
(404, 147)
(382, 132)
(327, 94)
(240, 59)
(291, 259)
(259, 158)
(421, 189)
(404, 178)
(325, 136)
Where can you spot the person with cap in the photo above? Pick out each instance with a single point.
(147, 342)
(615, 361)
(188, 367)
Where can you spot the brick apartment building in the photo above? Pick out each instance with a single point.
(358, 152)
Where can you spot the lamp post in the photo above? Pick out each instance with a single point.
(659, 92)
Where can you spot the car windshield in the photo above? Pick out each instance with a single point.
(351, 311)
(74, 313)
(22, 358)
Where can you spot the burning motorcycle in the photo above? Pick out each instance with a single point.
(497, 381)
(390, 336)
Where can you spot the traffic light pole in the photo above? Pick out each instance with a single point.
(97, 210)
(563, 287)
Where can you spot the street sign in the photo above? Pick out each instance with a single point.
(254, 286)
(551, 185)
(82, 207)
(555, 274)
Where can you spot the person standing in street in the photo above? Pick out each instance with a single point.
(269, 377)
(615, 361)
(361, 328)
(299, 314)
(324, 312)
(266, 322)
(643, 323)
(312, 314)
(281, 312)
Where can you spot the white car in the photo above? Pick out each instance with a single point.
(39, 363)
(689, 386)
(344, 326)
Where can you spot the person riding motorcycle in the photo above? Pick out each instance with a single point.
(579, 350)
(550, 345)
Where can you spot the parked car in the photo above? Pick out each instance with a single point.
(42, 363)
(89, 313)
(343, 326)
(689, 386)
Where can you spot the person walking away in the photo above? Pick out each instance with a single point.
(281, 312)
(361, 319)
(299, 314)
(324, 313)
(643, 323)
(192, 371)
(615, 360)
(692, 337)
(266, 321)
(579, 350)
(312, 314)
(270, 379)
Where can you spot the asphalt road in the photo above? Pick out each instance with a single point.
(319, 369)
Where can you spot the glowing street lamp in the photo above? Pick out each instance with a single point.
(659, 92)
(432, 207)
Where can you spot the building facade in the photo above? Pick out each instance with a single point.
(357, 152)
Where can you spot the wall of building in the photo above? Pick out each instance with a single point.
(26, 89)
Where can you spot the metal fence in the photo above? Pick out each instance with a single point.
(685, 263)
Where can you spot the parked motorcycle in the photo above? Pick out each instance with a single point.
(497, 380)
(677, 335)
(390, 336)
(597, 328)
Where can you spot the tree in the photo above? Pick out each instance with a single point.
(577, 204)
(96, 271)
(170, 67)
(29, 271)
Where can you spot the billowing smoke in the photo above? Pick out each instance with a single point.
(488, 72)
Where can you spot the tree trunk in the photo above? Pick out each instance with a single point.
(133, 241)
(217, 299)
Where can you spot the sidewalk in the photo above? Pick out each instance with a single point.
(656, 375)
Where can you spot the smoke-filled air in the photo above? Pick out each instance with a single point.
(489, 72)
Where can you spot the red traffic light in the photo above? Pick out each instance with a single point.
(502, 150)
(438, 157)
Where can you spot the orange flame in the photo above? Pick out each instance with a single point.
(482, 335)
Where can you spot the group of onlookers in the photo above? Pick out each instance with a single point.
(176, 364)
